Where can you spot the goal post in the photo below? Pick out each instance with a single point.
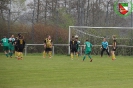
(95, 34)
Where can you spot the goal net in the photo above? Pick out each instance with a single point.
(95, 35)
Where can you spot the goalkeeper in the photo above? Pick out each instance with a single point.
(105, 47)
(48, 47)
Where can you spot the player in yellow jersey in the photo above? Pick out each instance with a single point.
(114, 46)
(73, 47)
(20, 45)
(48, 47)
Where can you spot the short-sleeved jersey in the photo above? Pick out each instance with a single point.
(16, 41)
(105, 45)
(88, 46)
(21, 42)
(73, 44)
(5, 42)
(11, 41)
(114, 42)
(48, 43)
(78, 44)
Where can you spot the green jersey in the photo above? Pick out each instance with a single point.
(5, 42)
(88, 46)
(11, 42)
(78, 44)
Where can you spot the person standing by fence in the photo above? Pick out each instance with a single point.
(113, 47)
(48, 47)
(73, 47)
(20, 45)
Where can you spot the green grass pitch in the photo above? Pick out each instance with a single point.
(62, 72)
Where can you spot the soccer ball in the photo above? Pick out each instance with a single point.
(79, 42)
(76, 36)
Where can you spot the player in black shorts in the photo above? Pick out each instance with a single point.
(20, 45)
(73, 47)
(48, 47)
(114, 46)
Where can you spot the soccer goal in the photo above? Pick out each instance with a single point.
(95, 35)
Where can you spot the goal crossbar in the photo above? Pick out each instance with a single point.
(101, 27)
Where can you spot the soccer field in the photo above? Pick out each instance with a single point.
(62, 72)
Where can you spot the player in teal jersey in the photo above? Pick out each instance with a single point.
(11, 45)
(88, 49)
(5, 44)
(78, 45)
(78, 48)
(105, 47)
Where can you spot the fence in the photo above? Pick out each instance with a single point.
(121, 49)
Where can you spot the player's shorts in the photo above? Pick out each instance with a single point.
(5, 48)
(78, 49)
(20, 48)
(11, 48)
(114, 49)
(48, 49)
(87, 52)
(73, 50)
(16, 48)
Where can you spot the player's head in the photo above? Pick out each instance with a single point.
(19, 34)
(104, 39)
(87, 40)
(20, 37)
(12, 36)
(76, 39)
(113, 37)
(49, 37)
(73, 38)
